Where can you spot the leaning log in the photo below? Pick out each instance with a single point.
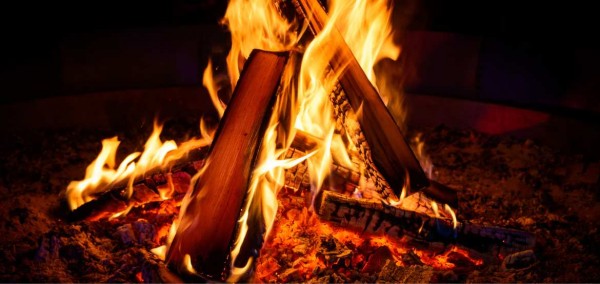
(381, 144)
(210, 212)
(374, 217)
(385, 145)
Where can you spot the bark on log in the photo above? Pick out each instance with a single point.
(380, 141)
(209, 214)
(377, 218)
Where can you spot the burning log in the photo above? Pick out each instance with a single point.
(154, 186)
(210, 212)
(377, 136)
(377, 218)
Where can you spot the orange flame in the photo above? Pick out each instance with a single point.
(101, 174)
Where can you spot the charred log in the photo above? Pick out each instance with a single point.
(377, 218)
(153, 187)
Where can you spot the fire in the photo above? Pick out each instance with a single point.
(256, 24)
(101, 174)
(303, 104)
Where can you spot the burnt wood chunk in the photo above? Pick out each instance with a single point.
(385, 144)
(392, 273)
(210, 212)
(173, 185)
(374, 217)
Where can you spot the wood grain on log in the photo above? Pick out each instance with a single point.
(380, 140)
(377, 218)
(208, 220)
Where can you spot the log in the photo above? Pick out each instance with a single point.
(209, 213)
(377, 218)
(378, 138)
(145, 190)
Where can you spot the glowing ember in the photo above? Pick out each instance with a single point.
(101, 174)
(302, 247)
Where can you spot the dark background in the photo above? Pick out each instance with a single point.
(541, 55)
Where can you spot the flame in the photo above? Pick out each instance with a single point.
(451, 212)
(366, 28)
(101, 174)
(303, 104)
(418, 147)
(256, 24)
(212, 88)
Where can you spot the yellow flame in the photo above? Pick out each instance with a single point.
(255, 24)
(367, 29)
(101, 174)
(119, 214)
(167, 190)
(187, 264)
(451, 212)
(212, 88)
(160, 252)
(435, 209)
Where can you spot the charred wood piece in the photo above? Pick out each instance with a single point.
(147, 190)
(377, 218)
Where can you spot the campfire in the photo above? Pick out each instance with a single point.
(309, 173)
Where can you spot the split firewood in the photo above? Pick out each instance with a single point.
(208, 223)
(377, 218)
(381, 144)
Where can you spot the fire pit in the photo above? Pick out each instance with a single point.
(540, 192)
(308, 177)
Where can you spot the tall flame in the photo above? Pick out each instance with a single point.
(255, 24)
